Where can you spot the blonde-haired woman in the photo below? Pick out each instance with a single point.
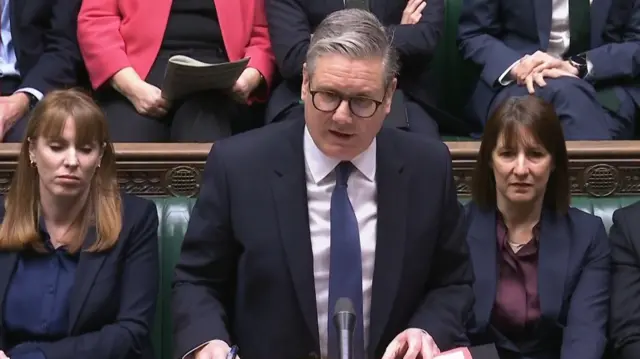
(78, 259)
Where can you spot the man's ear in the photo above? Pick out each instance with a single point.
(388, 96)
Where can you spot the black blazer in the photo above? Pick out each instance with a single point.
(246, 276)
(291, 23)
(625, 283)
(114, 295)
(44, 36)
(573, 286)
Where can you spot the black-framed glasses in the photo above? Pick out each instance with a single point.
(326, 101)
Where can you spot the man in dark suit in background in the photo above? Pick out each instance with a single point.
(414, 25)
(296, 215)
(38, 53)
(623, 33)
(556, 51)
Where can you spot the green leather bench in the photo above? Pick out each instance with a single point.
(174, 217)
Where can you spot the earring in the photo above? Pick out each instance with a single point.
(33, 163)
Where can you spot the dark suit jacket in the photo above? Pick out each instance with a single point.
(496, 33)
(625, 283)
(617, 57)
(44, 36)
(114, 295)
(245, 274)
(291, 23)
(573, 286)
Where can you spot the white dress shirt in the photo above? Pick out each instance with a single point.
(321, 180)
(559, 38)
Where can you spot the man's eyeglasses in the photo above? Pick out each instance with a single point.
(362, 107)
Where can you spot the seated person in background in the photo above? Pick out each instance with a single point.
(78, 260)
(415, 27)
(541, 267)
(38, 53)
(126, 46)
(625, 283)
(559, 55)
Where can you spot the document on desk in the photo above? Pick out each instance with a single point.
(486, 351)
(461, 353)
(185, 75)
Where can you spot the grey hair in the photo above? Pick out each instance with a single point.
(356, 34)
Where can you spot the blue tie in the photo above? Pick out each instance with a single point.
(345, 271)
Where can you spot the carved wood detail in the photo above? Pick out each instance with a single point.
(598, 169)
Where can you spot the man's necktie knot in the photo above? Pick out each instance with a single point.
(343, 171)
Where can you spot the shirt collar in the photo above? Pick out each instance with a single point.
(320, 165)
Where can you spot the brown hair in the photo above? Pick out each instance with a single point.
(20, 228)
(540, 120)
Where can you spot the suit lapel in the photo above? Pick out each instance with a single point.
(7, 265)
(88, 267)
(553, 255)
(483, 246)
(543, 11)
(391, 235)
(290, 198)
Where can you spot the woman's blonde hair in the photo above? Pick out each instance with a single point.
(20, 227)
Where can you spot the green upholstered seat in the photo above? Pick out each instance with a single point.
(174, 217)
(173, 213)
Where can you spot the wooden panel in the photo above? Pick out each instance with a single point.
(600, 169)
(597, 169)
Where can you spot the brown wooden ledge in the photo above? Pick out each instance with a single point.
(600, 169)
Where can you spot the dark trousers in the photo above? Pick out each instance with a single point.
(581, 115)
(203, 117)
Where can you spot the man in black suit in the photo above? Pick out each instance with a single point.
(38, 53)
(414, 25)
(296, 215)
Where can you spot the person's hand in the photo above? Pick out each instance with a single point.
(533, 63)
(3, 355)
(215, 349)
(12, 108)
(147, 99)
(412, 13)
(538, 77)
(412, 343)
(248, 81)
(564, 66)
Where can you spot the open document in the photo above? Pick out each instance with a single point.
(185, 75)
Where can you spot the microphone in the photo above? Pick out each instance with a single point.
(344, 318)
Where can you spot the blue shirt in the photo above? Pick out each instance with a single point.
(8, 58)
(36, 306)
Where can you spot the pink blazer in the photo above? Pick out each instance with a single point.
(114, 34)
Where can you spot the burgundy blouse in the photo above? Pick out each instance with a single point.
(517, 304)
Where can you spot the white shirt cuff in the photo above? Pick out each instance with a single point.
(589, 68)
(32, 91)
(190, 355)
(504, 79)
